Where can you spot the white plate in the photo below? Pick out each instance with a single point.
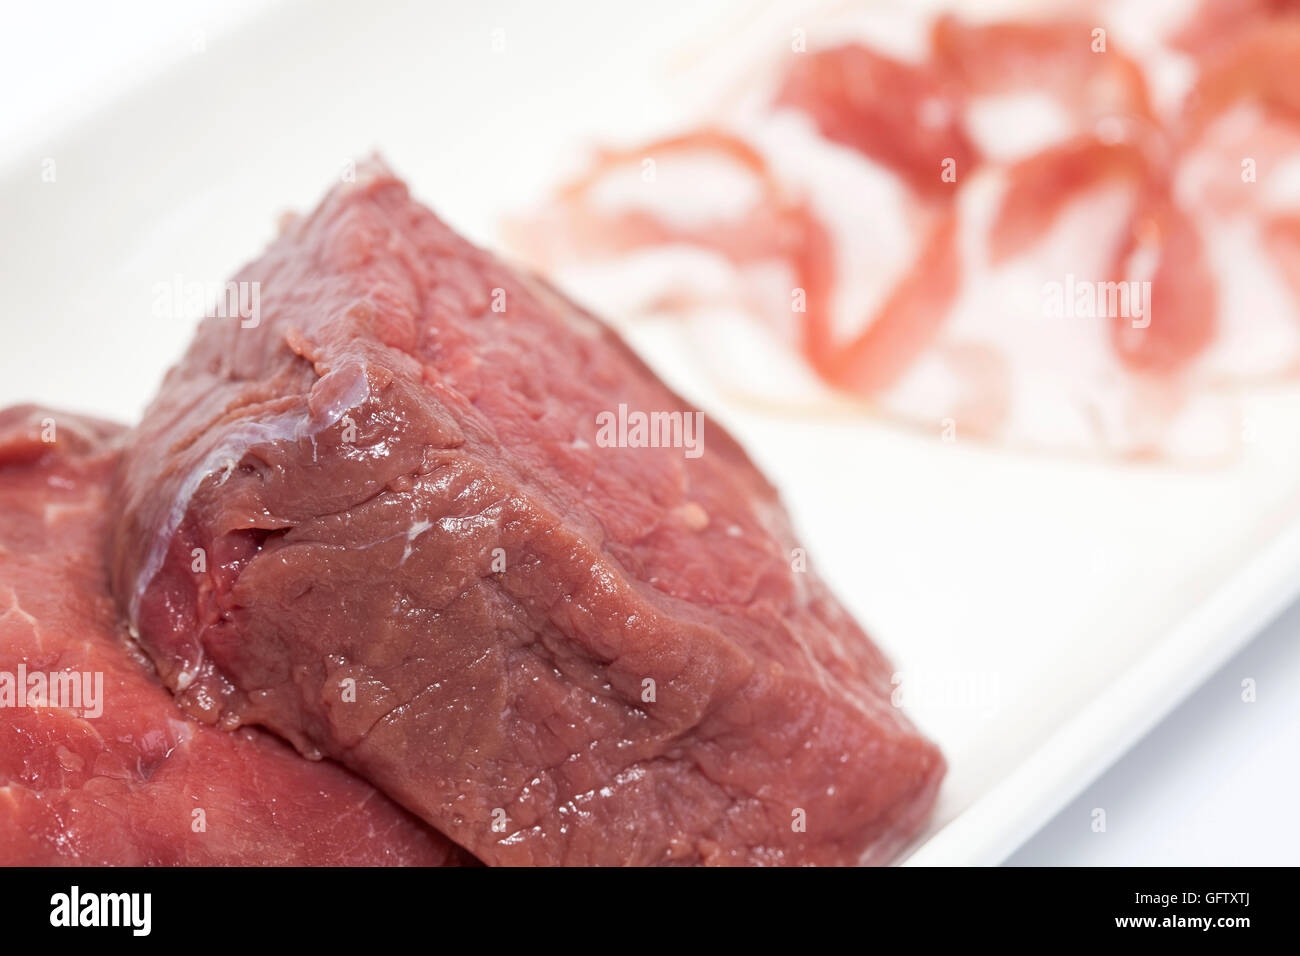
(1051, 611)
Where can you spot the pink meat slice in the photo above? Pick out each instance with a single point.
(423, 561)
(904, 116)
(139, 783)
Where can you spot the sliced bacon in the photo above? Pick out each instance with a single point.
(1216, 23)
(1042, 185)
(783, 229)
(1054, 57)
(909, 319)
(591, 228)
(1183, 292)
(906, 117)
(1282, 239)
(1260, 66)
(777, 227)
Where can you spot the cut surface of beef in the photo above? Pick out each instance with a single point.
(459, 538)
(116, 774)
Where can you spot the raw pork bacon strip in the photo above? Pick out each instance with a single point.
(1041, 186)
(1282, 236)
(1161, 232)
(563, 653)
(906, 118)
(1259, 65)
(909, 120)
(908, 321)
(1057, 58)
(775, 228)
(1216, 24)
(778, 228)
(121, 788)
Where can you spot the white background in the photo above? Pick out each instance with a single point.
(1214, 783)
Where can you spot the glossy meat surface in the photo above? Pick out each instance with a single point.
(138, 783)
(423, 561)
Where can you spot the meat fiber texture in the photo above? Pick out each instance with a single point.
(428, 557)
(123, 777)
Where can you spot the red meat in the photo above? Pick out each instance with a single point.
(125, 778)
(423, 561)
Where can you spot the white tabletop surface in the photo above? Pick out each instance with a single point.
(1213, 784)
